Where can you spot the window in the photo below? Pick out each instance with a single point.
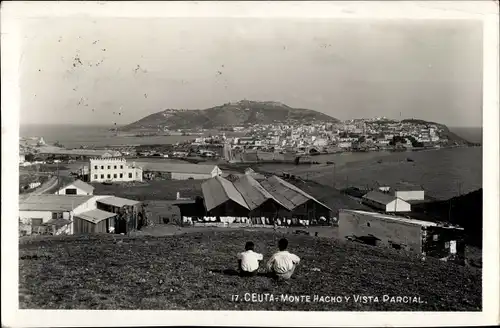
(109, 176)
(95, 167)
(435, 237)
(121, 167)
(114, 176)
(102, 176)
(367, 224)
(447, 244)
(121, 175)
(115, 167)
(70, 191)
(102, 167)
(130, 175)
(36, 222)
(109, 167)
(95, 176)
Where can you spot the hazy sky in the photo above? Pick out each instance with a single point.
(347, 69)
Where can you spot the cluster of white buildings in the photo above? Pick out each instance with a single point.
(377, 132)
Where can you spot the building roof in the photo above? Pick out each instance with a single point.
(394, 218)
(80, 185)
(49, 202)
(287, 194)
(177, 168)
(404, 186)
(253, 193)
(117, 201)
(95, 216)
(217, 191)
(255, 175)
(379, 197)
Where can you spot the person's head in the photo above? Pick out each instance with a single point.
(249, 246)
(283, 244)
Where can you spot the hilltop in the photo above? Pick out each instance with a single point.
(241, 113)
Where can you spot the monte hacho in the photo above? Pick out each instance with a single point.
(277, 125)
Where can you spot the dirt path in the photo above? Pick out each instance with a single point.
(51, 183)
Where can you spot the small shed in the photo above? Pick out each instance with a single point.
(77, 187)
(94, 221)
(129, 213)
(385, 202)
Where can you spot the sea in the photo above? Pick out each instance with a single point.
(443, 173)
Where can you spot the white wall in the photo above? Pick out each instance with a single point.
(216, 171)
(102, 173)
(398, 205)
(410, 195)
(79, 191)
(26, 216)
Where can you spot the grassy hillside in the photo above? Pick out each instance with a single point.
(231, 114)
(195, 271)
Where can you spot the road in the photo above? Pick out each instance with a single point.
(49, 184)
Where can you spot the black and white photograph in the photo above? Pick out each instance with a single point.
(232, 160)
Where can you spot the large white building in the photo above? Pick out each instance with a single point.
(113, 169)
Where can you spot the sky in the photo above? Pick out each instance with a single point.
(118, 70)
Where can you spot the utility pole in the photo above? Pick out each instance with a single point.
(57, 178)
(334, 178)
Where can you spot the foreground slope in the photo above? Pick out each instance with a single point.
(231, 114)
(189, 271)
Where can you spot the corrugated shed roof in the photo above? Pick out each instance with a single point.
(218, 190)
(379, 197)
(49, 202)
(80, 185)
(288, 197)
(287, 194)
(253, 193)
(96, 215)
(177, 168)
(118, 201)
(298, 190)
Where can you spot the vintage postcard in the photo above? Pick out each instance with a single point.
(247, 163)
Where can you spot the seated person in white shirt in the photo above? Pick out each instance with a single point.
(282, 264)
(248, 261)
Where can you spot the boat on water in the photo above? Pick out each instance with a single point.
(408, 159)
(107, 182)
